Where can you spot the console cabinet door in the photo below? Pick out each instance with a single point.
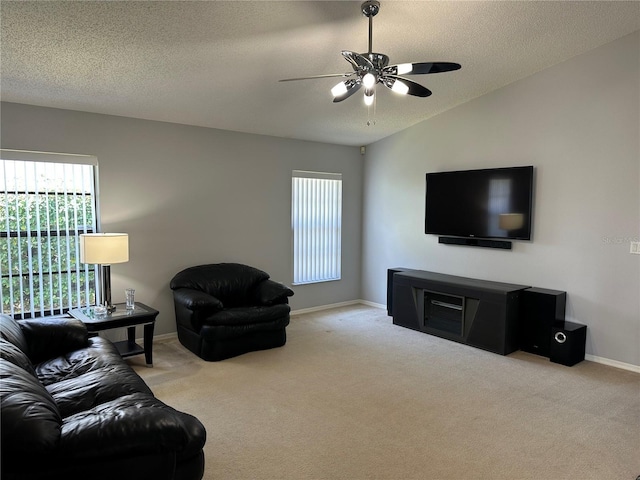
(405, 306)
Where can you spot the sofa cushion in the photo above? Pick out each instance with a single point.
(31, 421)
(248, 315)
(100, 354)
(133, 423)
(13, 354)
(95, 388)
(221, 332)
(43, 338)
(49, 337)
(10, 330)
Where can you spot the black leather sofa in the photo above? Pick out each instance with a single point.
(227, 309)
(73, 409)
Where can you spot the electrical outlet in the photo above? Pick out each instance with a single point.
(635, 248)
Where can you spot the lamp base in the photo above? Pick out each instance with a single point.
(106, 289)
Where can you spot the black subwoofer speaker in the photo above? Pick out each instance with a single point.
(542, 309)
(568, 343)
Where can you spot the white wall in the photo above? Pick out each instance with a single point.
(189, 195)
(578, 124)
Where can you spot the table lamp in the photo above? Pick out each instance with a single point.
(104, 249)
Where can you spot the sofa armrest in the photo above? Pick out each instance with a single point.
(134, 423)
(270, 292)
(50, 337)
(30, 420)
(195, 300)
(193, 307)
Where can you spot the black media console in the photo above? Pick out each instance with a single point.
(479, 313)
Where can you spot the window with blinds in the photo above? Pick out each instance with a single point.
(316, 205)
(46, 202)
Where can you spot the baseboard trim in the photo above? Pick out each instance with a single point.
(320, 308)
(613, 363)
(381, 306)
(165, 337)
(592, 358)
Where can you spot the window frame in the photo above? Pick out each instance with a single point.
(317, 254)
(32, 303)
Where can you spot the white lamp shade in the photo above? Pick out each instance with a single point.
(104, 248)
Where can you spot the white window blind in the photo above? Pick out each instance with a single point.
(45, 205)
(316, 206)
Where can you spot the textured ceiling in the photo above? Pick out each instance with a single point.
(217, 64)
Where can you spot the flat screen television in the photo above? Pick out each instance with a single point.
(488, 203)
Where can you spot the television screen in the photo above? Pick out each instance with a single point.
(488, 203)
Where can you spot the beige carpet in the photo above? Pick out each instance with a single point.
(352, 396)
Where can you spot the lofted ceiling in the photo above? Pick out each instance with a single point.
(217, 63)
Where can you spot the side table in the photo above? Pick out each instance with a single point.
(120, 318)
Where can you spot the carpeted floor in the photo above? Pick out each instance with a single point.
(352, 396)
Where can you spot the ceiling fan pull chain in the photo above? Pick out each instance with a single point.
(375, 103)
(371, 121)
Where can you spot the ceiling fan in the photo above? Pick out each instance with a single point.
(372, 68)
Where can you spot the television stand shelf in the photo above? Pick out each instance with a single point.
(475, 312)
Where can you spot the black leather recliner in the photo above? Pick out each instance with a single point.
(72, 408)
(227, 309)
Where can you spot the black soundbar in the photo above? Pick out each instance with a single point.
(475, 242)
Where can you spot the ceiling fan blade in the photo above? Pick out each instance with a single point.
(421, 68)
(357, 61)
(328, 75)
(352, 87)
(415, 89)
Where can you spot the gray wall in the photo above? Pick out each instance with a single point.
(577, 123)
(189, 195)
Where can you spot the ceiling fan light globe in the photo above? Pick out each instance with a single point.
(404, 68)
(368, 99)
(400, 87)
(339, 90)
(369, 80)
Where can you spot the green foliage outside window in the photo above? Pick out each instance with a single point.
(40, 238)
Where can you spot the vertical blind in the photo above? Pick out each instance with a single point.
(44, 207)
(316, 207)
